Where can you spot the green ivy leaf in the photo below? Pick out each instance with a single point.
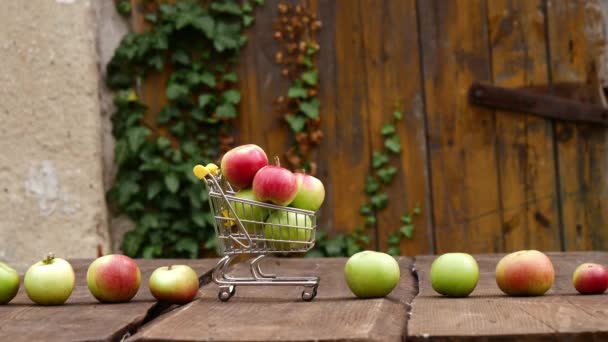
(152, 251)
(123, 7)
(407, 230)
(230, 77)
(259, 2)
(205, 24)
(371, 185)
(168, 113)
(310, 77)
(232, 96)
(388, 129)
(248, 20)
(297, 91)
(208, 79)
(379, 201)
(387, 174)
(151, 17)
(417, 210)
(397, 115)
(352, 247)
(121, 152)
(393, 239)
(307, 61)
(204, 100)
(187, 245)
(310, 108)
(406, 219)
(334, 246)
(181, 57)
(229, 7)
(225, 111)
(154, 189)
(176, 91)
(392, 144)
(365, 209)
(131, 243)
(296, 122)
(379, 159)
(198, 217)
(370, 220)
(247, 8)
(136, 136)
(394, 251)
(172, 182)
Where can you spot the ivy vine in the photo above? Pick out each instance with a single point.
(296, 30)
(382, 175)
(197, 44)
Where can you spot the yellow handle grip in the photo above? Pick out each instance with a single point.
(200, 171)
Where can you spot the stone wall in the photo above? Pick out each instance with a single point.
(51, 151)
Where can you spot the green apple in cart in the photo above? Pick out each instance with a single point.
(250, 212)
(281, 225)
(371, 274)
(50, 281)
(9, 283)
(454, 274)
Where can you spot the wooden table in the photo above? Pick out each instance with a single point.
(278, 314)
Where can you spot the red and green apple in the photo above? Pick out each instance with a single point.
(525, 273)
(590, 278)
(275, 184)
(240, 165)
(113, 278)
(311, 192)
(176, 284)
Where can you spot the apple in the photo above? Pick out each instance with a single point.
(371, 274)
(246, 211)
(175, 284)
(113, 278)
(9, 283)
(240, 164)
(275, 184)
(590, 279)
(525, 273)
(311, 192)
(454, 274)
(275, 229)
(50, 281)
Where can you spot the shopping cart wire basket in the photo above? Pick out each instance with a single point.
(256, 229)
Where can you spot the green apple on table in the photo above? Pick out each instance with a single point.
(50, 281)
(9, 283)
(454, 274)
(371, 274)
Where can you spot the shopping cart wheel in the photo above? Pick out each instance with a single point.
(309, 293)
(226, 292)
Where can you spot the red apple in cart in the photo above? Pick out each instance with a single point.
(275, 184)
(525, 273)
(590, 279)
(240, 165)
(311, 193)
(113, 278)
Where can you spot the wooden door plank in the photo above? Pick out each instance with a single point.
(278, 314)
(525, 142)
(261, 83)
(83, 318)
(345, 153)
(462, 138)
(488, 313)
(582, 149)
(392, 65)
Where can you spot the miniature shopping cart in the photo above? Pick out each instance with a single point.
(242, 229)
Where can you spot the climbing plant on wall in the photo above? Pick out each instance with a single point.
(197, 43)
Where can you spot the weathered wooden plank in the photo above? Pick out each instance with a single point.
(392, 65)
(462, 137)
(344, 157)
(525, 143)
(582, 149)
(278, 314)
(261, 83)
(83, 318)
(489, 314)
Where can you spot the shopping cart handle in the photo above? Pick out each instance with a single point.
(200, 171)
